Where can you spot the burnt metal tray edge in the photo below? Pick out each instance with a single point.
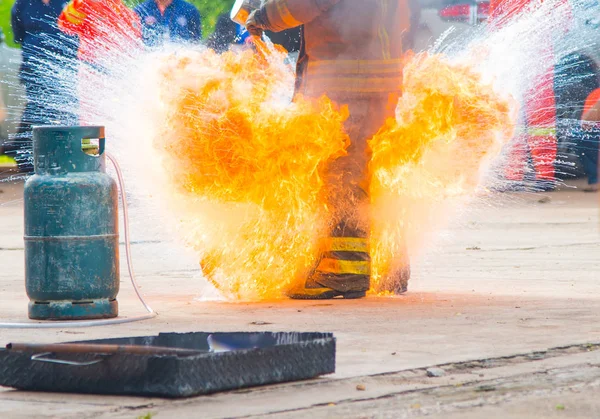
(290, 356)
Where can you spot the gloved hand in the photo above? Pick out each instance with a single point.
(257, 22)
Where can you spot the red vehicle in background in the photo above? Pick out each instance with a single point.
(450, 17)
(472, 13)
(576, 66)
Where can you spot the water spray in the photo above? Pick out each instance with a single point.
(215, 130)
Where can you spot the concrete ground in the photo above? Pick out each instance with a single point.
(507, 305)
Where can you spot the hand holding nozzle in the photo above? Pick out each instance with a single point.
(251, 14)
(243, 13)
(257, 22)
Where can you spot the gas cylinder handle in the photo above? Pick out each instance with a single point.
(39, 358)
(92, 146)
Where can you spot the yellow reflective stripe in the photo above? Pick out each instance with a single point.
(286, 15)
(346, 244)
(358, 76)
(356, 84)
(380, 34)
(541, 132)
(354, 65)
(335, 266)
(386, 45)
(353, 62)
(356, 71)
(379, 31)
(359, 89)
(310, 291)
(383, 35)
(375, 81)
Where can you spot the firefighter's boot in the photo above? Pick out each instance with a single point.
(343, 271)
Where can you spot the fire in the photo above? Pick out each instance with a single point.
(246, 164)
(448, 127)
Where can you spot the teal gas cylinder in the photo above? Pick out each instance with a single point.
(71, 226)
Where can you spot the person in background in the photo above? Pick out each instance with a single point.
(242, 36)
(3, 112)
(44, 50)
(3, 117)
(226, 34)
(169, 20)
(537, 138)
(588, 144)
(4, 93)
(106, 29)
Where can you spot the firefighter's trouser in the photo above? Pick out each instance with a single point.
(345, 260)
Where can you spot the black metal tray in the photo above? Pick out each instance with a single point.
(251, 359)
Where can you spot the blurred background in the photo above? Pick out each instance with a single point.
(576, 71)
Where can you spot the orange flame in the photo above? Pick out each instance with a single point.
(249, 164)
(448, 125)
(246, 164)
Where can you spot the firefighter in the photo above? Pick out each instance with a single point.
(44, 50)
(351, 51)
(107, 30)
(101, 25)
(537, 137)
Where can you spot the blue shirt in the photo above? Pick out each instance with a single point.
(180, 22)
(241, 34)
(34, 26)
